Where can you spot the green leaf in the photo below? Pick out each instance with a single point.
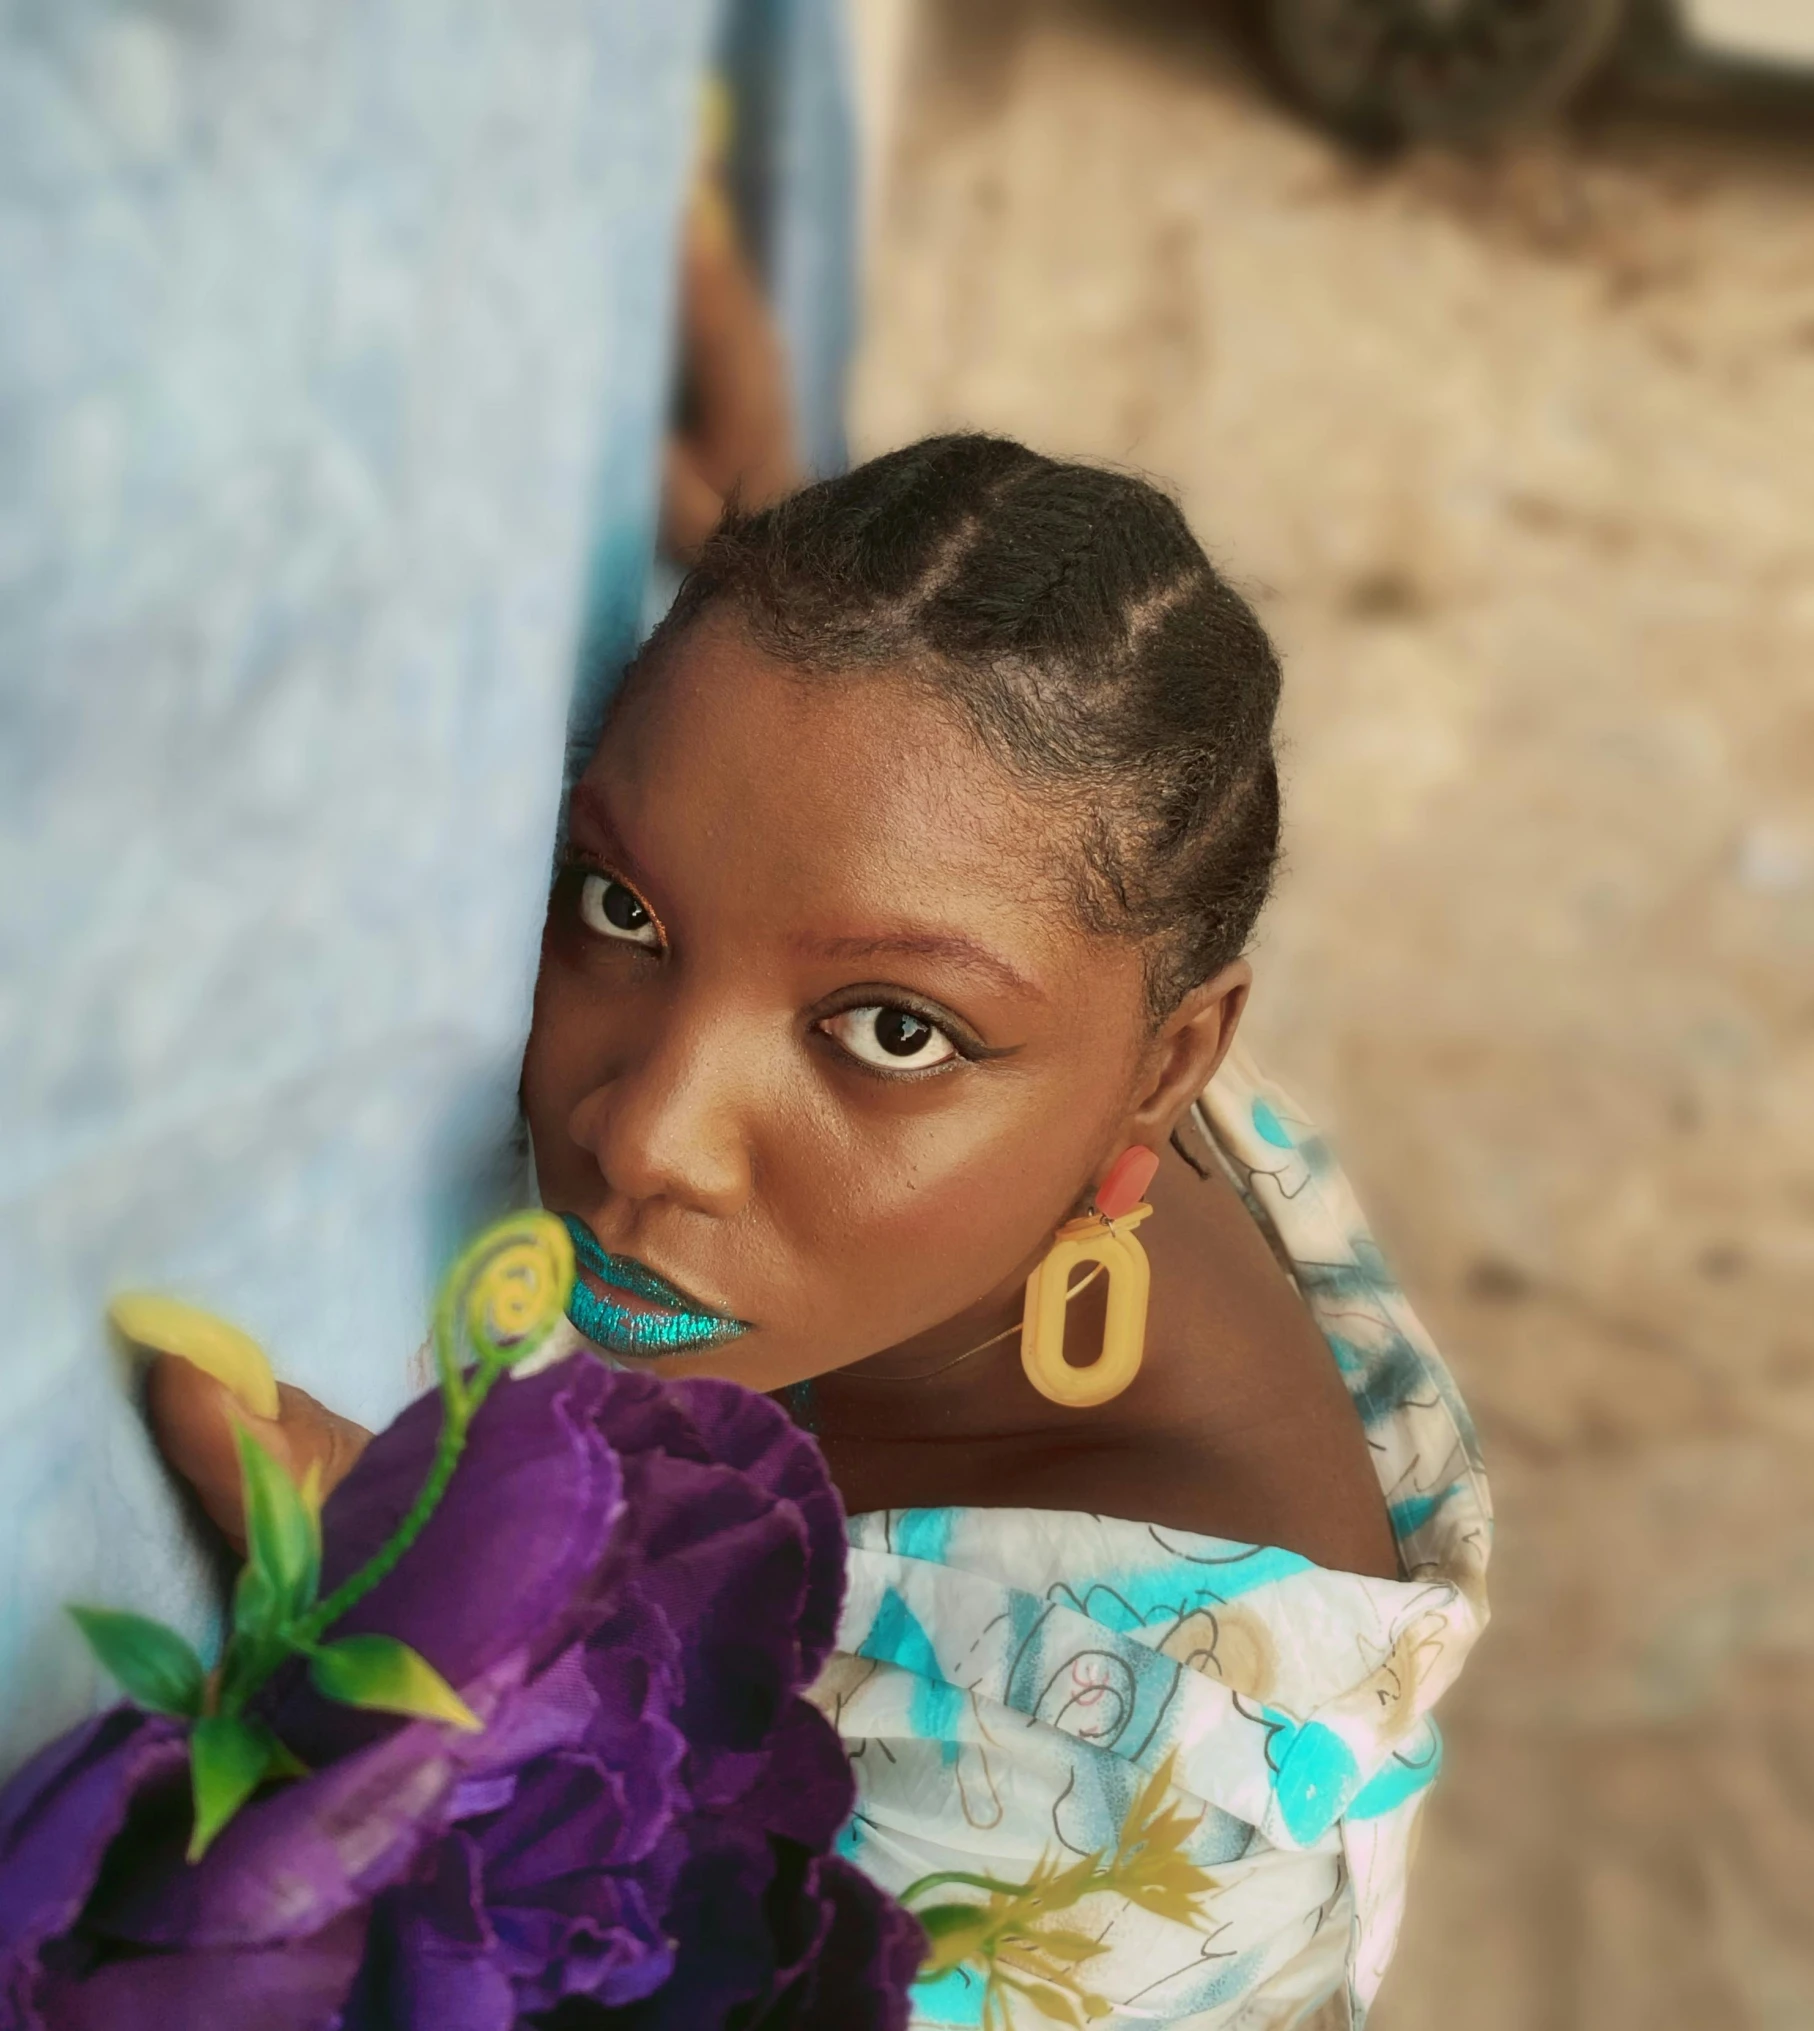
(255, 1605)
(309, 1494)
(1072, 2007)
(1051, 2003)
(258, 1641)
(250, 1657)
(942, 1921)
(1060, 1947)
(286, 1763)
(283, 1540)
(228, 1760)
(955, 1933)
(154, 1664)
(380, 1672)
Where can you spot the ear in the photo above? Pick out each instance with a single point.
(1184, 1056)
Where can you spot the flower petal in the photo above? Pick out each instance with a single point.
(61, 1811)
(430, 1963)
(298, 1986)
(600, 1934)
(630, 1581)
(505, 1564)
(870, 1952)
(804, 1790)
(568, 1816)
(724, 1959)
(302, 1853)
(717, 1423)
(756, 1436)
(726, 1565)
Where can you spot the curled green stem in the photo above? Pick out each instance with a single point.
(455, 1424)
(502, 1298)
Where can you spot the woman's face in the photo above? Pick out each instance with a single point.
(818, 1049)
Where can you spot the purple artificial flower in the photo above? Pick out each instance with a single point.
(629, 1581)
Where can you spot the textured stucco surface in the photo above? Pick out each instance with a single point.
(1517, 458)
(336, 345)
(332, 362)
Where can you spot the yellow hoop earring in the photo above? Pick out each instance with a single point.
(1105, 1237)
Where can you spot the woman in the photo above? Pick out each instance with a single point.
(906, 892)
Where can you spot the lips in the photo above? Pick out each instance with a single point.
(682, 1325)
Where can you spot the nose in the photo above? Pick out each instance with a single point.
(667, 1121)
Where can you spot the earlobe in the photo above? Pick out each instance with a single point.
(1190, 1047)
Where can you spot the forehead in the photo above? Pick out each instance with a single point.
(846, 791)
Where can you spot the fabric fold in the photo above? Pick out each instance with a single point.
(1005, 1680)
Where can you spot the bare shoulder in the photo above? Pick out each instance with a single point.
(1240, 1425)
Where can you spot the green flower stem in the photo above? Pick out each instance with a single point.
(461, 1402)
(501, 1299)
(463, 1301)
(937, 1881)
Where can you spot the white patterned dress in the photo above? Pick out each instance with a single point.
(1007, 1678)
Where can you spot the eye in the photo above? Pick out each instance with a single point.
(891, 1039)
(614, 911)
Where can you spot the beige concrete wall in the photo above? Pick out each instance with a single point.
(1517, 458)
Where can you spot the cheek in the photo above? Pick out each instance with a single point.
(553, 1067)
(907, 1225)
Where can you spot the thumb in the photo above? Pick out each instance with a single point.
(194, 1419)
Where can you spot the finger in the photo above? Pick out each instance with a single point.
(690, 504)
(311, 1435)
(734, 366)
(193, 1419)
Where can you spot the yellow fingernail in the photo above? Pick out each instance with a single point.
(714, 220)
(717, 122)
(165, 1325)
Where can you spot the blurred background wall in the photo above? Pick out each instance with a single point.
(1516, 454)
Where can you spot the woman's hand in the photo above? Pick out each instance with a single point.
(192, 1419)
(735, 433)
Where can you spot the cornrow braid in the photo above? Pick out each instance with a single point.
(1070, 614)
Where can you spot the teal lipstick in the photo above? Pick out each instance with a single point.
(682, 1326)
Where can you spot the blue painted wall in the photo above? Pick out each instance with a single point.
(334, 351)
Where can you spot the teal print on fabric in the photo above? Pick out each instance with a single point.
(1315, 1776)
(1316, 1156)
(949, 2002)
(1111, 1693)
(1230, 1979)
(1101, 1793)
(924, 1534)
(1414, 1511)
(895, 1637)
(1269, 1127)
(1349, 1358)
(1133, 1599)
(1410, 1771)
(1364, 1279)
(1386, 1376)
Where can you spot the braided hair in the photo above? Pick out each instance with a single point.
(1070, 615)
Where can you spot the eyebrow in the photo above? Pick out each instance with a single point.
(953, 949)
(587, 809)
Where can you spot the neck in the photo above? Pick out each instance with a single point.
(961, 1381)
